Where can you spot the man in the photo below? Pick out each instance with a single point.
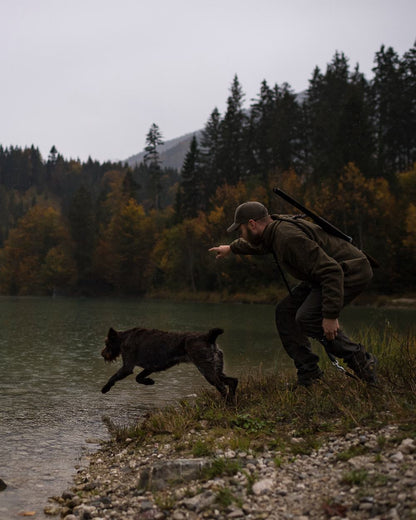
(332, 272)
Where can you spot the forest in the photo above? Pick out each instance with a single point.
(346, 148)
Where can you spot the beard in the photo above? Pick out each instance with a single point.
(253, 239)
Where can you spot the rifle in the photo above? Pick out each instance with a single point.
(324, 224)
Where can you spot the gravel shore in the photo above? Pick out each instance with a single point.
(362, 475)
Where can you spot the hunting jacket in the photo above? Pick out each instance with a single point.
(310, 254)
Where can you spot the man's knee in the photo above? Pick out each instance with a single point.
(303, 318)
(309, 321)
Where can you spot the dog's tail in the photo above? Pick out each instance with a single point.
(213, 334)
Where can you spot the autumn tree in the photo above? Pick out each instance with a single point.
(122, 255)
(81, 217)
(37, 254)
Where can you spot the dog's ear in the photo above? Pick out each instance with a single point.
(213, 334)
(112, 334)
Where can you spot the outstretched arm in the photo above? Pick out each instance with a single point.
(221, 251)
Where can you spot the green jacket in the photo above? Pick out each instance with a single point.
(312, 255)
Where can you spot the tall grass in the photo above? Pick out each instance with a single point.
(269, 413)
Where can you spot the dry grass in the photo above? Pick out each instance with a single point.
(269, 413)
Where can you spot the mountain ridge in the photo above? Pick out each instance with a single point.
(172, 152)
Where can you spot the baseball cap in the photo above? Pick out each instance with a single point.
(247, 211)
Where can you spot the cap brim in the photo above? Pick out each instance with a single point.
(233, 227)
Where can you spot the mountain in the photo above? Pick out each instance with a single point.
(171, 153)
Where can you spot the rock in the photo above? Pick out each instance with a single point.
(407, 446)
(85, 512)
(178, 516)
(236, 513)
(199, 502)
(160, 475)
(52, 510)
(263, 486)
(359, 462)
(397, 457)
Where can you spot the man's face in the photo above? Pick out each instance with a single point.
(250, 233)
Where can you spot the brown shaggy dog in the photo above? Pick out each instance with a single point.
(156, 350)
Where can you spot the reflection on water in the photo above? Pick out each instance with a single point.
(51, 373)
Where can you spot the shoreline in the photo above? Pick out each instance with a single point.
(339, 449)
(399, 301)
(364, 474)
(269, 297)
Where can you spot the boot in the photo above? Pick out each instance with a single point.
(310, 377)
(364, 365)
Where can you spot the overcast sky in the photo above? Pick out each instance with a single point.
(91, 76)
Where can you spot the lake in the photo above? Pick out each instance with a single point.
(51, 373)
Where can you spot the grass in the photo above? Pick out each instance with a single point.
(356, 477)
(270, 415)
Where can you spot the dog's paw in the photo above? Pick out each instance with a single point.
(105, 389)
(147, 381)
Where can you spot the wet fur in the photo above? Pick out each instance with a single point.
(156, 350)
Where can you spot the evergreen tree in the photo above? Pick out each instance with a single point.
(152, 160)
(260, 157)
(209, 156)
(408, 67)
(232, 152)
(394, 94)
(53, 155)
(190, 194)
(338, 120)
(285, 131)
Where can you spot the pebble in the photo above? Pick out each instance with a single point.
(305, 487)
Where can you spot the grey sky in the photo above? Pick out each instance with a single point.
(91, 76)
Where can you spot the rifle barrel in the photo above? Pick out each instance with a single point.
(325, 225)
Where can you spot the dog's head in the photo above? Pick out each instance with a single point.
(112, 348)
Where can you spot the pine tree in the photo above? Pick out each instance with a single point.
(338, 120)
(260, 157)
(408, 67)
(190, 193)
(209, 157)
(386, 86)
(232, 152)
(152, 160)
(285, 132)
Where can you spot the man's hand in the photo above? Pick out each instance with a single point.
(331, 328)
(221, 251)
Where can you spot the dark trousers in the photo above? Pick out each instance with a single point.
(299, 317)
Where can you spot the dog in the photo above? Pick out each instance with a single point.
(156, 350)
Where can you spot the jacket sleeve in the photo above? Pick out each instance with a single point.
(312, 264)
(242, 247)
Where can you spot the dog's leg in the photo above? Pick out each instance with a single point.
(121, 374)
(232, 383)
(204, 359)
(143, 379)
